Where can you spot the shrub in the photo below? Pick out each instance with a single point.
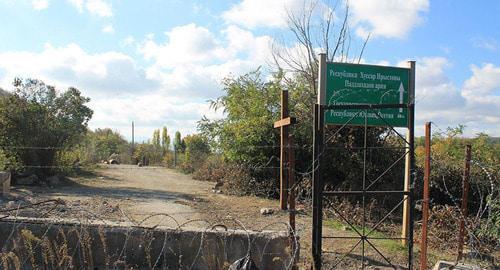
(213, 169)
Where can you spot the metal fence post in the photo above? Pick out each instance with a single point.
(317, 186)
(425, 201)
(465, 196)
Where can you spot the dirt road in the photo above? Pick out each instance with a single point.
(154, 196)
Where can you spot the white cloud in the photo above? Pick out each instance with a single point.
(120, 91)
(108, 73)
(262, 13)
(482, 91)
(150, 112)
(387, 18)
(99, 8)
(485, 43)
(108, 29)
(193, 61)
(40, 4)
(171, 91)
(474, 104)
(435, 91)
(78, 4)
(128, 41)
(186, 44)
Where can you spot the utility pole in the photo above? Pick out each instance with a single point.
(132, 135)
(132, 149)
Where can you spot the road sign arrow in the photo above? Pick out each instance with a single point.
(401, 92)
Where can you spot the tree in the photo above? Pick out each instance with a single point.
(156, 138)
(179, 144)
(197, 151)
(165, 139)
(107, 142)
(36, 123)
(250, 105)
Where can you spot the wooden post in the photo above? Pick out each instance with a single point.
(406, 188)
(284, 124)
(283, 157)
(465, 196)
(425, 201)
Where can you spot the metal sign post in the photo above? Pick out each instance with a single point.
(363, 95)
(352, 84)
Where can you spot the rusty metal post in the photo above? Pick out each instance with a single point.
(465, 195)
(291, 182)
(291, 194)
(425, 201)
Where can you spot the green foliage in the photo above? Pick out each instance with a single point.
(165, 139)
(179, 144)
(102, 143)
(197, 150)
(447, 166)
(36, 122)
(148, 154)
(251, 106)
(7, 163)
(156, 141)
(246, 136)
(448, 155)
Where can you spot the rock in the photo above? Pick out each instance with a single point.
(11, 204)
(29, 180)
(244, 263)
(218, 185)
(53, 180)
(346, 228)
(444, 265)
(266, 211)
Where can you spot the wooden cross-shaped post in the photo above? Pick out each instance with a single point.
(284, 124)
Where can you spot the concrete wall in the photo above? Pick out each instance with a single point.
(100, 246)
(4, 183)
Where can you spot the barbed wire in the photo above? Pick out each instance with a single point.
(81, 232)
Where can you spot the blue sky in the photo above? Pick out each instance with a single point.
(158, 62)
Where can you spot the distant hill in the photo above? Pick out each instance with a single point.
(3, 93)
(495, 139)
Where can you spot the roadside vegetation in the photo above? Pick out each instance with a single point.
(45, 132)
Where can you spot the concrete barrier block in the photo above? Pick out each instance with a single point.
(117, 246)
(5, 183)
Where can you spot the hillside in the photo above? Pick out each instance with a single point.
(3, 92)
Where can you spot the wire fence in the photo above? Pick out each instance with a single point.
(270, 165)
(152, 241)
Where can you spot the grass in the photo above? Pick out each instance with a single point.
(392, 246)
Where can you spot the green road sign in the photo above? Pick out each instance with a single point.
(353, 84)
